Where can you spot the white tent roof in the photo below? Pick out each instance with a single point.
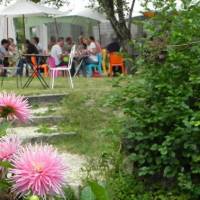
(85, 13)
(28, 8)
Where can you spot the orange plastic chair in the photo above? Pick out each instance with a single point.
(43, 66)
(116, 60)
(46, 69)
(34, 63)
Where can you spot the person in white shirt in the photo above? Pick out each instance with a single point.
(56, 51)
(92, 57)
(92, 50)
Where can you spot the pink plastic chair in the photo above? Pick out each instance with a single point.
(52, 64)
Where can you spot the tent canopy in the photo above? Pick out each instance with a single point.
(28, 8)
(87, 13)
(7, 31)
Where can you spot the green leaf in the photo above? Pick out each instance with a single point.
(87, 194)
(4, 185)
(99, 191)
(5, 164)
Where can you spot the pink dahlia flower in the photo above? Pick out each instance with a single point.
(14, 107)
(9, 145)
(38, 169)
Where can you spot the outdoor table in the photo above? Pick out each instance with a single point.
(35, 71)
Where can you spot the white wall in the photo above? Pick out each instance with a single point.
(107, 32)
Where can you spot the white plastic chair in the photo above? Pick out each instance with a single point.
(54, 70)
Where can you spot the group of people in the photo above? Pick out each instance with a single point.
(9, 51)
(87, 51)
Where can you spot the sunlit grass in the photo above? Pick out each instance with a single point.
(61, 85)
(85, 112)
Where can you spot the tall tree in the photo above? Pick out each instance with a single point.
(119, 13)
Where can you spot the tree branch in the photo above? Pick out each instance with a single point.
(130, 14)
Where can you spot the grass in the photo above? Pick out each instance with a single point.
(61, 86)
(96, 124)
(85, 112)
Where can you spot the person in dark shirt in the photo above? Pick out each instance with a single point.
(30, 49)
(114, 46)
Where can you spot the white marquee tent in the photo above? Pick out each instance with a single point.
(87, 13)
(7, 31)
(26, 8)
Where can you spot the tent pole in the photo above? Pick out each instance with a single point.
(24, 30)
(7, 27)
(56, 26)
(99, 29)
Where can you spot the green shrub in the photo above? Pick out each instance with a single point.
(107, 178)
(162, 132)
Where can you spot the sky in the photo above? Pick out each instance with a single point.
(82, 3)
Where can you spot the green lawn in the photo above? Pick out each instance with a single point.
(86, 113)
(61, 85)
(96, 124)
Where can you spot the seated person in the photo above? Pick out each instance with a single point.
(114, 46)
(98, 46)
(12, 48)
(30, 49)
(69, 44)
(92, 57)
(13, 53)
(36, 42)
(58, 55)
(82, 43)
(51, 43)
(57, 51)
(4, 55)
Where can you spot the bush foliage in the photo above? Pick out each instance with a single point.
(162, 104)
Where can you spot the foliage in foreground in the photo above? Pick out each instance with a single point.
(161, 132)
(107, 180)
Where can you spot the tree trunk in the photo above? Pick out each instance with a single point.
(119, 25)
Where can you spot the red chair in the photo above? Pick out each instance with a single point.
(116, 60)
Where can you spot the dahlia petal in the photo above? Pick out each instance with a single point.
(38, 169)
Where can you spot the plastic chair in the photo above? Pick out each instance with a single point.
(116, 60)
(104, 64)
(97, 66)
(34, 63)
(44, 66)
(54, 69)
